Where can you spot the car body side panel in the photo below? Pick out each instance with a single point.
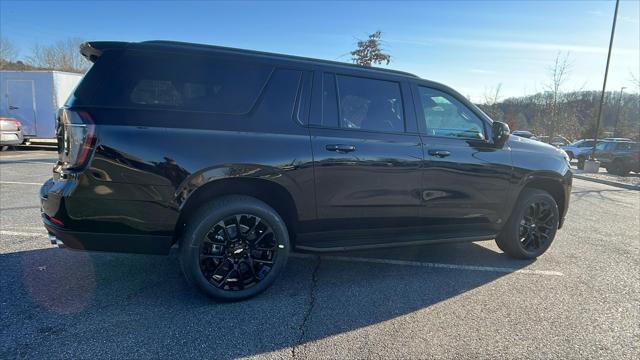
(467, 188)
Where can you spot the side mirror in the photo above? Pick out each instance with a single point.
(500, 133)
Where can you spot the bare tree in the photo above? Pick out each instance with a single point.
(8, 51)
(63, 55)
(492, 95)
(491, 104)
(370, 51)
(558, 76)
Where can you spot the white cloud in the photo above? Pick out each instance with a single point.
(515, 45)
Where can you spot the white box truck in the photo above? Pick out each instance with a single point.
(33, 98)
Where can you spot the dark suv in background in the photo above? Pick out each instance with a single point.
(618, 157)
(238, 157)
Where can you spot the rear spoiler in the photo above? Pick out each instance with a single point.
(92, 50)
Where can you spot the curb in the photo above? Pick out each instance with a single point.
(608, 182)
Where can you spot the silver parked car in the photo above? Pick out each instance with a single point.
(10, 132)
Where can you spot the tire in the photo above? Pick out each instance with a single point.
(617, 168)
(570, 154)
(4, 148)
(524, 239)
(230, 260)
(581, 160)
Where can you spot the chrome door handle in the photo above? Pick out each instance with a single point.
(439, 153)
(340, 148)
(11, 107)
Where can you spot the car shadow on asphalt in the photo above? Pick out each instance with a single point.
(602, 194)
(82, 304)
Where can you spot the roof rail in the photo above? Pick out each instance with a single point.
(276, 55)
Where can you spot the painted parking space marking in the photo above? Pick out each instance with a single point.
(433, 265)
(28, 162)
(19, 183)
(21, 233)
(380, 261)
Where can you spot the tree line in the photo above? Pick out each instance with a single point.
(63, 55)
(570, 114)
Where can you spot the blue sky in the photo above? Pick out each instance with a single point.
(471, 46)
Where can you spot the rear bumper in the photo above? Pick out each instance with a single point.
(11, 138)
(53, 195)
(128, 243)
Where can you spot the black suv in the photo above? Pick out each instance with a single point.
(619, 157)
(238, 157)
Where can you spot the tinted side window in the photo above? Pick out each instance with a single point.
(445, 116)
(174, 81)
(370, 104)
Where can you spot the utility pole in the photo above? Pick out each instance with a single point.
(615, 127)
(604, 83)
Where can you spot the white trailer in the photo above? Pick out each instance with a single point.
(33, 97)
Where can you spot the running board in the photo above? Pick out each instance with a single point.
(394, 244)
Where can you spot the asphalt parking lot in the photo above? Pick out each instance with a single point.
(580, 300)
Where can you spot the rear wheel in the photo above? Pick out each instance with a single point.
(531, 227)
(4, 148)
(234, 248)
(581, 160)
(617, 168)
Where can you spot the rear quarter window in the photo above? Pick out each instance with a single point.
(173, 81)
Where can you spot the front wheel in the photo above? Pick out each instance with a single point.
(531, 227)
(234, 248)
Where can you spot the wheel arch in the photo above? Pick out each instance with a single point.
(555, 186)
(268, 191)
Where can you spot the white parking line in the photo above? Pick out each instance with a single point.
(30, 162)
(433, 265)
(20, 233)
(381, 261)
(20, 183)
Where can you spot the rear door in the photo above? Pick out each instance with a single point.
(466, 179)
(367, 165)
(21, 104)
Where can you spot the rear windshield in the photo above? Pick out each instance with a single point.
(172, 81)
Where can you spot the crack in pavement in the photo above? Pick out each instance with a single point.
(312, 301)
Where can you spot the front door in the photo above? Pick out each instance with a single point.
(466, 179)
(21, 106)
(367, 167)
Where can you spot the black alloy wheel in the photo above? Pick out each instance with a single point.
(532, 225)
(234, 247)
(536, 226)
(238, 252)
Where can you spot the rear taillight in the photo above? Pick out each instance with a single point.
(76, 138)
(9, 124)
